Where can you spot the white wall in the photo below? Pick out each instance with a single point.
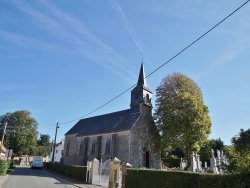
(58, 153)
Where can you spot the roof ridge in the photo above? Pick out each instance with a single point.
(105, 114)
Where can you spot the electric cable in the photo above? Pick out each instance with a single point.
(180, 52)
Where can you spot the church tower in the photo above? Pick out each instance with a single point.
(141, 94)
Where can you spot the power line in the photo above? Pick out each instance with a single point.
(180, 52)
(197, 39)
(100, 106)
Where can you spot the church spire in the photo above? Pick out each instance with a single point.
(141, 79)
(141, 94)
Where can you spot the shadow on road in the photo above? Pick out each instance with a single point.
(28, 171)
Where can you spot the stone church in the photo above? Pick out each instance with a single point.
(130, 135)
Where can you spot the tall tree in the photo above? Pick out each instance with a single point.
(240, 162)
(45, 145)
(180, 114)
(21, 132)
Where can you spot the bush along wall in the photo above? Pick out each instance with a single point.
(4, 165)
(76, 172)
(46, 165)
(137, 178)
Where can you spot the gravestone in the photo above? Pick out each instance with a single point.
(213, 163)
(183, 164)
(205, 164)
(195, 163)
(94, 172)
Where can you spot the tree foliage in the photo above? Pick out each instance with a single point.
(240, 155)
(242, 142)
(21, 132)
(181, 115)
(177, 152)
(44, 145)
(215, 144)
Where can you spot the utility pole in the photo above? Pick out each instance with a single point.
(5, 125)
(53, 155)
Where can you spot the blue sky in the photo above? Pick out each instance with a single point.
(60, 60)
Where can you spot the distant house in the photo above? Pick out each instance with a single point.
(129, 134)
(58, 152)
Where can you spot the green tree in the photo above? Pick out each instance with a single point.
(205, 151)
(45, 145)
(241, 142)
(41, 151)
(240, 158)
(180, 114)
(178, 152)
(21, 132)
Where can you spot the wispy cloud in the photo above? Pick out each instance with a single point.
(238, 43)
(120, 13)
(79, 38)
(227, 55)
(28, 42)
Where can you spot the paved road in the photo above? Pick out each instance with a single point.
(26, 177)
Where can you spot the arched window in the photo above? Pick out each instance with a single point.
(107, 148)
(93, 147)
(81, 149)
(67, 148)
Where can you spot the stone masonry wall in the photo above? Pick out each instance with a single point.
(72, 158)
(142, 138)
(121, 146)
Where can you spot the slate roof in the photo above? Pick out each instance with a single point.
(107, 123)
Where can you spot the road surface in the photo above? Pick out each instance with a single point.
(25, 177)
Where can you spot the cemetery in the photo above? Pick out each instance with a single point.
(197, 175)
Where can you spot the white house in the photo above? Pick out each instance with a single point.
(58, 152)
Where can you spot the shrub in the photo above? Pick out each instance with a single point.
(15, 162)
(77, 172)
(155, 178)
(4, 165)
(46, 165)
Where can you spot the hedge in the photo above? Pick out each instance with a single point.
(4, 165)
(137, 178)
(76, 172)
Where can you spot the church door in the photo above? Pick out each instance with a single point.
(146, 158)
